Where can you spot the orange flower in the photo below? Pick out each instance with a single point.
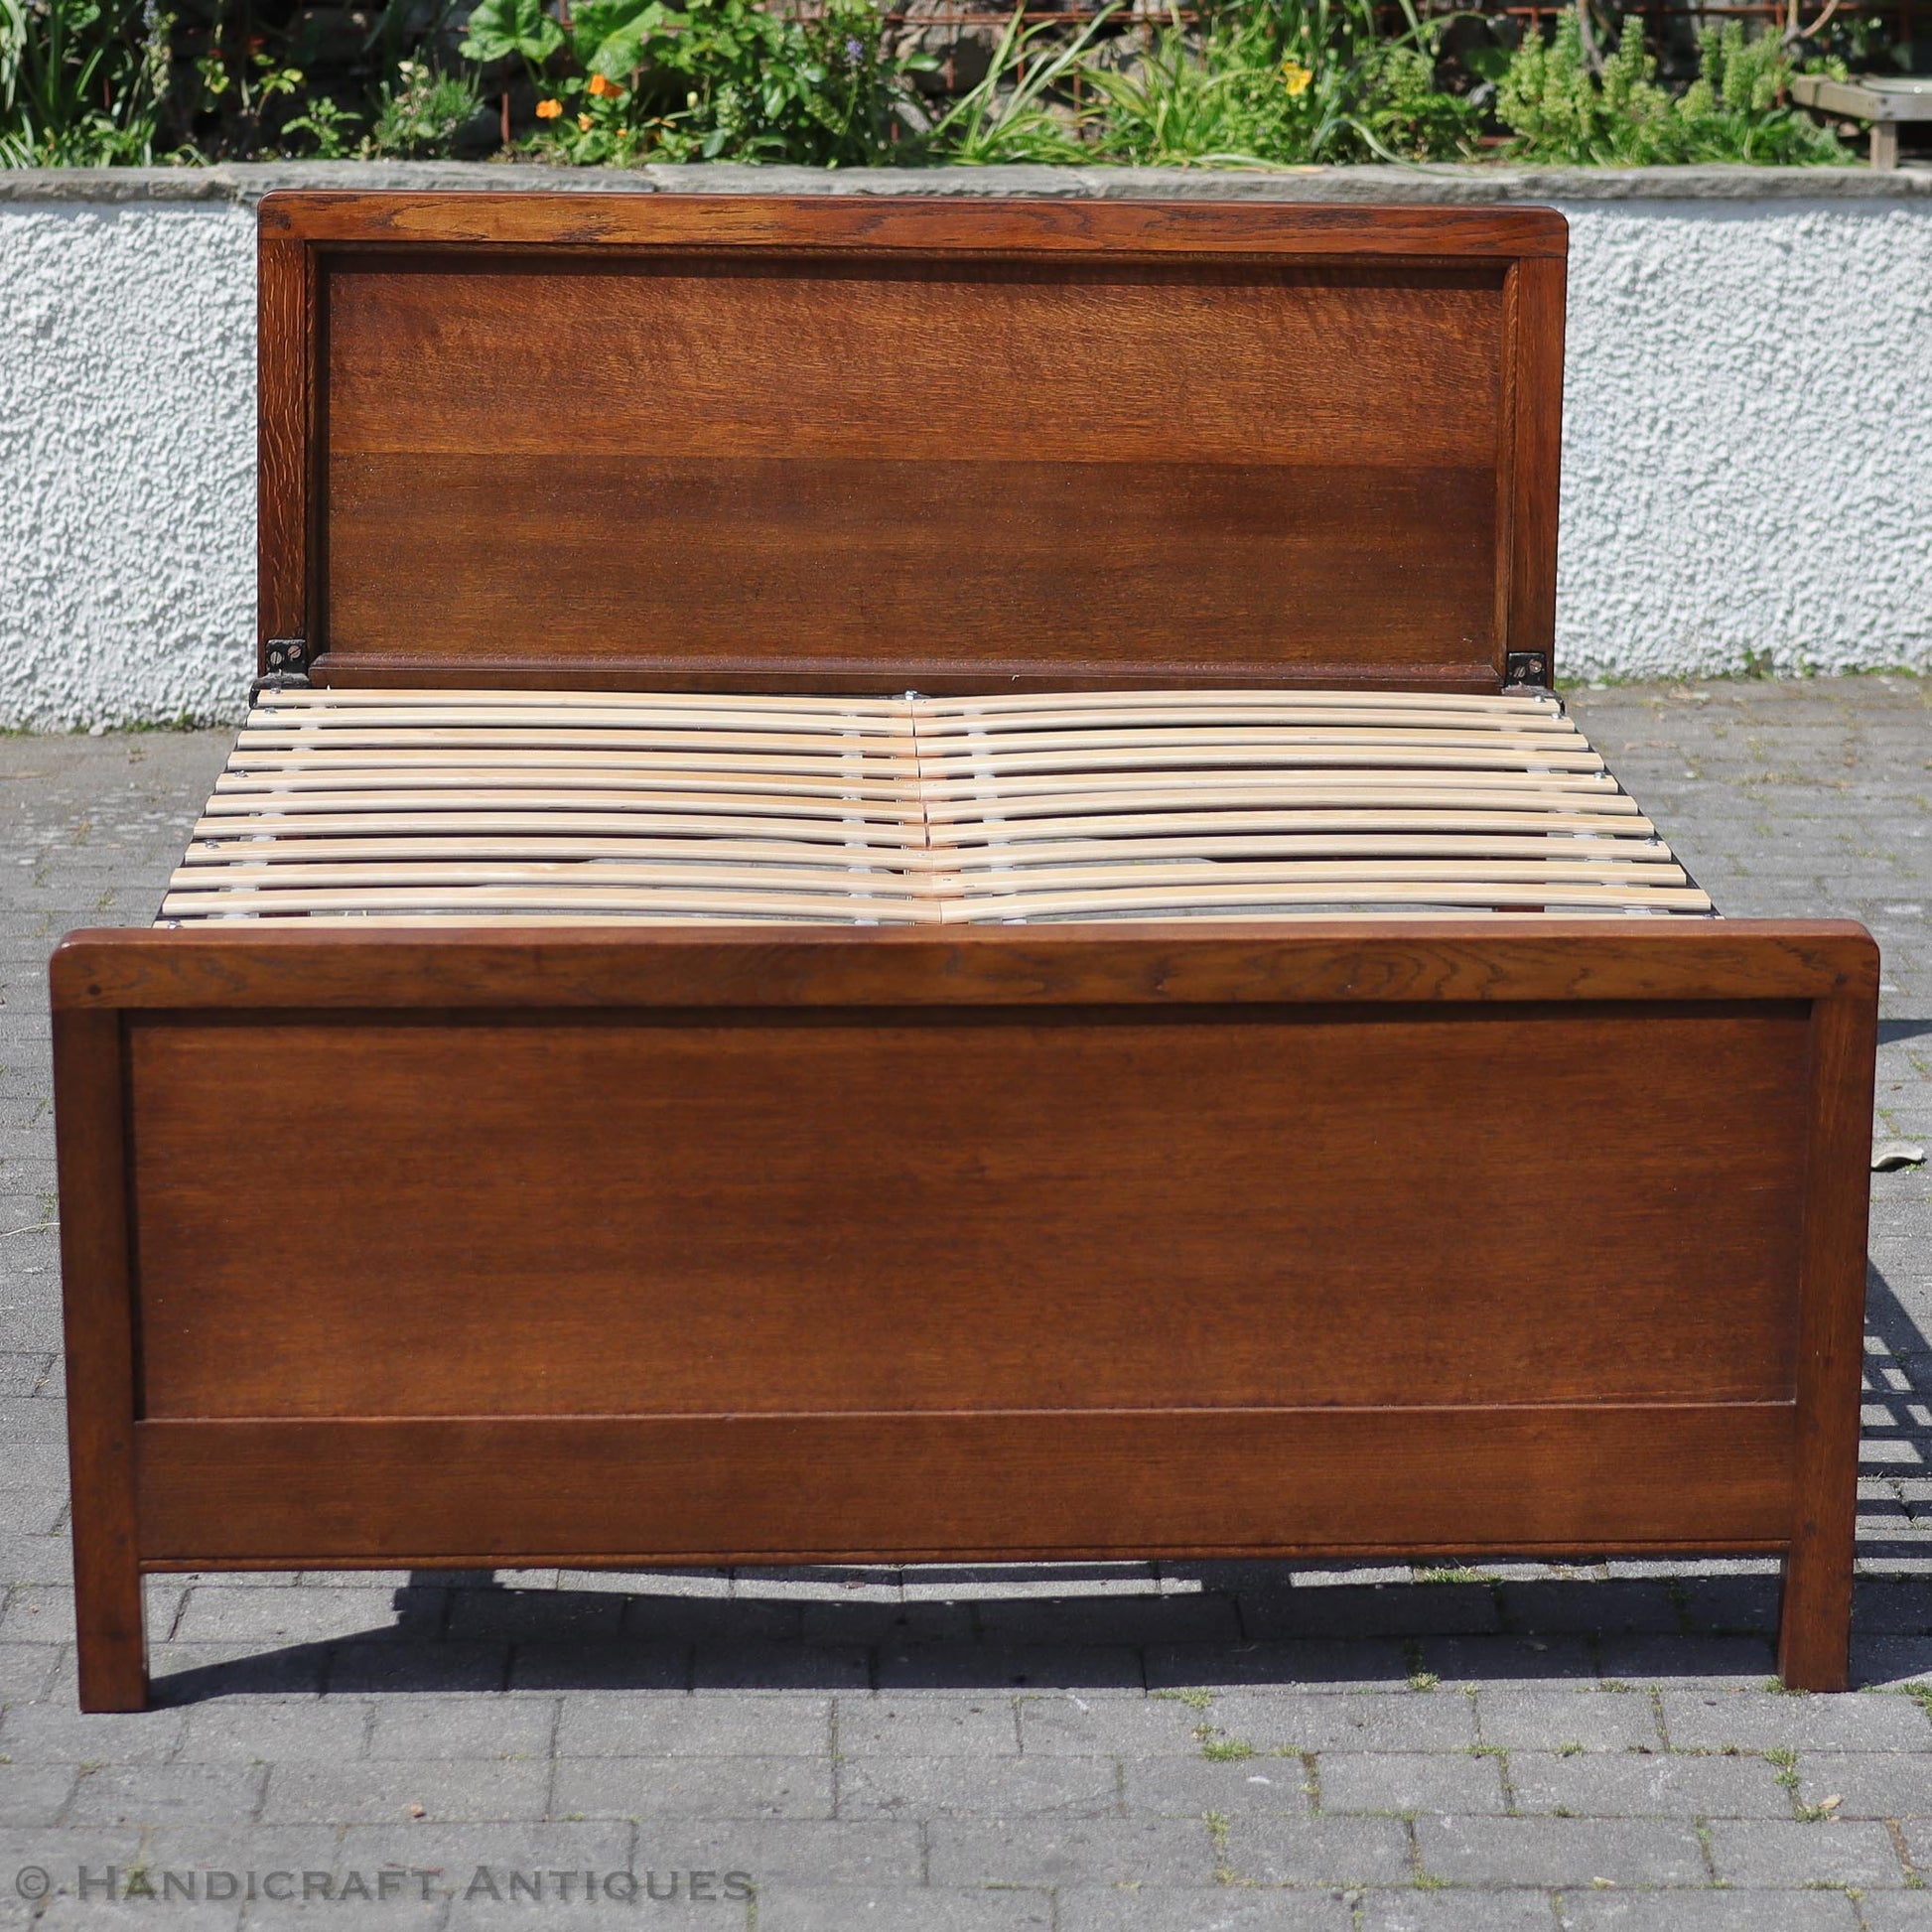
(601, 87)
(585, 122)
(548, 110)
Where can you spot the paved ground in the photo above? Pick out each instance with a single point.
(1075, 1748)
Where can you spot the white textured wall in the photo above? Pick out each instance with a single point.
(1747, 463)
(128, 463)
(1747, 439)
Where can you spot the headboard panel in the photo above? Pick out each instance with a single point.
(859, 443)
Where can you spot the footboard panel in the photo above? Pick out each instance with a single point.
(402, 1248)
(1016, 1483)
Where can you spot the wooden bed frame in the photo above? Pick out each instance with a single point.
(488, 1244)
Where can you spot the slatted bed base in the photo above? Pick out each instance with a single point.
(516, 807)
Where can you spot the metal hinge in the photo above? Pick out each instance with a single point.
(1526, 670)
(287, 660)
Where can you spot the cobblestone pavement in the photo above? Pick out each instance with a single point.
(1146, 1749)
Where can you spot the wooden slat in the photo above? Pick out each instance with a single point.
(530, 805)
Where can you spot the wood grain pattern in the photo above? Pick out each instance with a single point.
(1100, 1208)
(897, 1488)
(1531, 451)
(1815, 1628)
(1181, 964)
(915, 224)
(287, 309)
(1258, 444)
(91, 1141)
(921, 570)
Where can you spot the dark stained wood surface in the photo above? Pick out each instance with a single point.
(760, 1489)
(1681, 1180)
(1813, 1631)
(907, 1210)
(91, 1142)
(287, 317)
(1191, 962)
(1006, 446)
(912, 224)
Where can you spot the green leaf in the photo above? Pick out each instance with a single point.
(613, 37)
(499, 29)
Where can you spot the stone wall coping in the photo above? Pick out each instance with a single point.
(245, 183)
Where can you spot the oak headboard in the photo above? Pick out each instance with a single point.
(865, 444)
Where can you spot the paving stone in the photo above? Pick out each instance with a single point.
(1866, 1784)
(1133, 1620)
(26, 1669)
(451, 1853)
(148, 1794)
(1406, 1609)
(1090, 1908)
(1334, 1666)
(763, 1665)
(284, 1617)
(35, 1794)
(1376, 1721)
(260, 1733)
(1344, 1851)
(58, 1733)
(533, 1615)
(1054, 1723)
(955, 1726)
(1559, 1851)
(809, 1852)
(788, 1908)
(1041, 1851)
(713, 1910)
(599, 1667)
(1600, 1784)
(1859, 1721)
(1012, 1787)
(1895, 1911)
(36, 1560)
(1761, 1852)
(463, 1790)
(1175, 1787)
(392, 1664)
(191, 1673)
(660, 1788)
(1408, 1781)
(1453, 1911)
(701, 1723)
(1549, 1605)
(1741, 1663)
(991, 1667)
(1549, 1719)
(469, 1727)
(1506, 1661)
(1711, 1911)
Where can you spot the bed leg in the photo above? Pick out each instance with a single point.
(1814, 1619)
(90, 1130)
(110, 1629)
(1815, 1625)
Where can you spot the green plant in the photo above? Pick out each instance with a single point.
(503, 30)
(1010, 115)
(328, 125)
(1294, 83)
(421, 111)
(1559, 110)
(723, 81)
(81, 82)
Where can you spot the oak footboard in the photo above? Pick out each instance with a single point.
(693, 1246)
